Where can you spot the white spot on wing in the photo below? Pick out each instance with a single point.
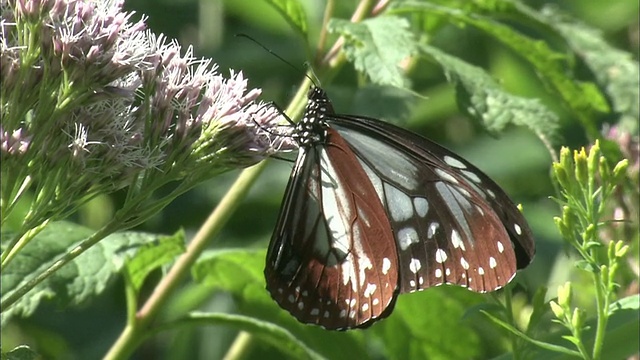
(441, 256)
(456, 240)
(315, 312)
(415, 265)
(407, 236)
(369, 290)
(492, 262)
(433, 227)
(421, 205)
(490, 193)
(500, 247)
(445, 176)
(471, 176)
(464, 263)
(517, 228)
(438, 273)
(386, 266)
(399, 205)
(480, 270)
(365, 307)
(454, 162)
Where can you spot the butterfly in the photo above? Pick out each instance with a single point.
(372, 211)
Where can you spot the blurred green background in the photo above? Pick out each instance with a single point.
(516, 159)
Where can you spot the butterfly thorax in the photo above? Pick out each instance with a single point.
(312, 129)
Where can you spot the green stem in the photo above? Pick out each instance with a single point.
(240, 347)
(65, 259)
(509, 307)
(20, 243)
(602, 306)
(134, 332)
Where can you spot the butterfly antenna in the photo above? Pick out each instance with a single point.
(313, 79)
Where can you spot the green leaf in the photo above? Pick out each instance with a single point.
(628, 303)
(415, 329)
(615, 70)
(481, 97)
(230, 269)
(22, 352)
(541, 344)
(293, 13)
(270, 333)
(539, 308)
(78, 281)
(377, 46)
(240, 272)
(583, 98)
(153, 255)
(621, 337)
(586, 266)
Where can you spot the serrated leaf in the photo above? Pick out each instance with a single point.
(481, 97)
(583, 98)
(377, 46)
(615, 70)
(293, 13)
(153, 255)
(22, 352)
(271, 333)
(78, 281)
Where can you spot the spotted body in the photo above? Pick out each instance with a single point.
(372, 210)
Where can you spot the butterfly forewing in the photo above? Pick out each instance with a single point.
(332, 260)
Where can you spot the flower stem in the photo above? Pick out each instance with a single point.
(20, 243)
(134, 331)
(65, 259)
(240, 346)
(602, 306)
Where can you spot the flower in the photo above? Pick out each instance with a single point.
(93, 103)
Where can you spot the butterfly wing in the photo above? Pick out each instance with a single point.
(452, 224)
(332, 259)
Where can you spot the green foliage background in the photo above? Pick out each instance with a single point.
(441, 323)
